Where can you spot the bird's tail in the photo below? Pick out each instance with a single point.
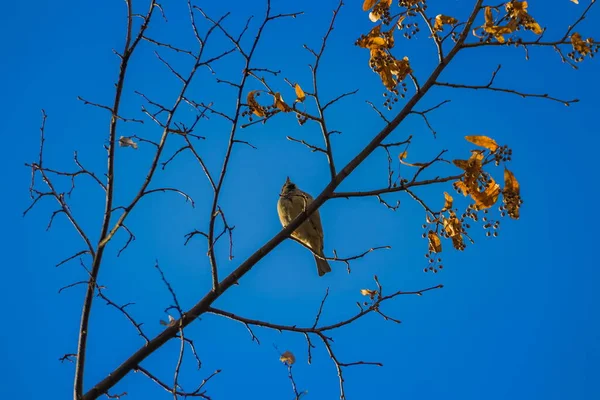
(322, 266)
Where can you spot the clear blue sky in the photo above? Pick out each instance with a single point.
(516, 319)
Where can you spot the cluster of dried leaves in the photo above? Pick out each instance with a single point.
(482, 189)
(582, 48)
(279, 105)
(380, 43)
(515, 18)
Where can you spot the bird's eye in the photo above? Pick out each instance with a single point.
(291, 186)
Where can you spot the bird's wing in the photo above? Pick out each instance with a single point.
(315, 221)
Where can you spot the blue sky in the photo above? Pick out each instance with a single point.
(515, 318)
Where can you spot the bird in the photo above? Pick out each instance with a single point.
(292, 201)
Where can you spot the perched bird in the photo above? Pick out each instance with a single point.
(292, 201)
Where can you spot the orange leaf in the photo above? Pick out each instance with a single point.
(442, 20)
(488, 197)
(511, 193)
(300, 95)
(435, 244)
(448, 203)
(483, 141)
(368, 4)
(287, 357)
(461, 185)
(254, 106)
(279, 103)
(369, 292)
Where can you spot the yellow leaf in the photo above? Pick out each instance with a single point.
(380, 9)
(510, 182)
(453, 228)
(575, 1)
(462, 164)
(376, 39)
(511, 194)
(373, 42)
(401, 68)
(254, 106)
(476, 155)
(534, 27)
(300, 95)
(435, 244)
(496, 31)
(499, 31)
(488, 197)
(517, 10)
(579, 45)
(279, 103)
(489, 17)
(287, 357)
(442, 20)
(463, 188)
(483, 141)
(369, 292)
(368, 4)
(403, 155)
(448, 201)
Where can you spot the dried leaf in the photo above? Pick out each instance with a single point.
(369, 292)
(127, 142)
(403, 155)
(287, 357)
(280, 104)
(300, 95)
(580, 45)
(462, 187)
(380, 9)
(483, 141)
(368, 4)
(488, 197)
(473, 165)
(256, 108)
(448, 201)
(517, 10)
(435, 244)
(442, 20)
(575, 1)
(489, 17)
(510, 182)
(496, 31)
(454, 230)
(511, 193)
(376, 39)
(401, 68)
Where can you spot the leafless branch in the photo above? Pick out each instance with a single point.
(511, 91)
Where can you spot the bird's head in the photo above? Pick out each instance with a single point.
(288, 186)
